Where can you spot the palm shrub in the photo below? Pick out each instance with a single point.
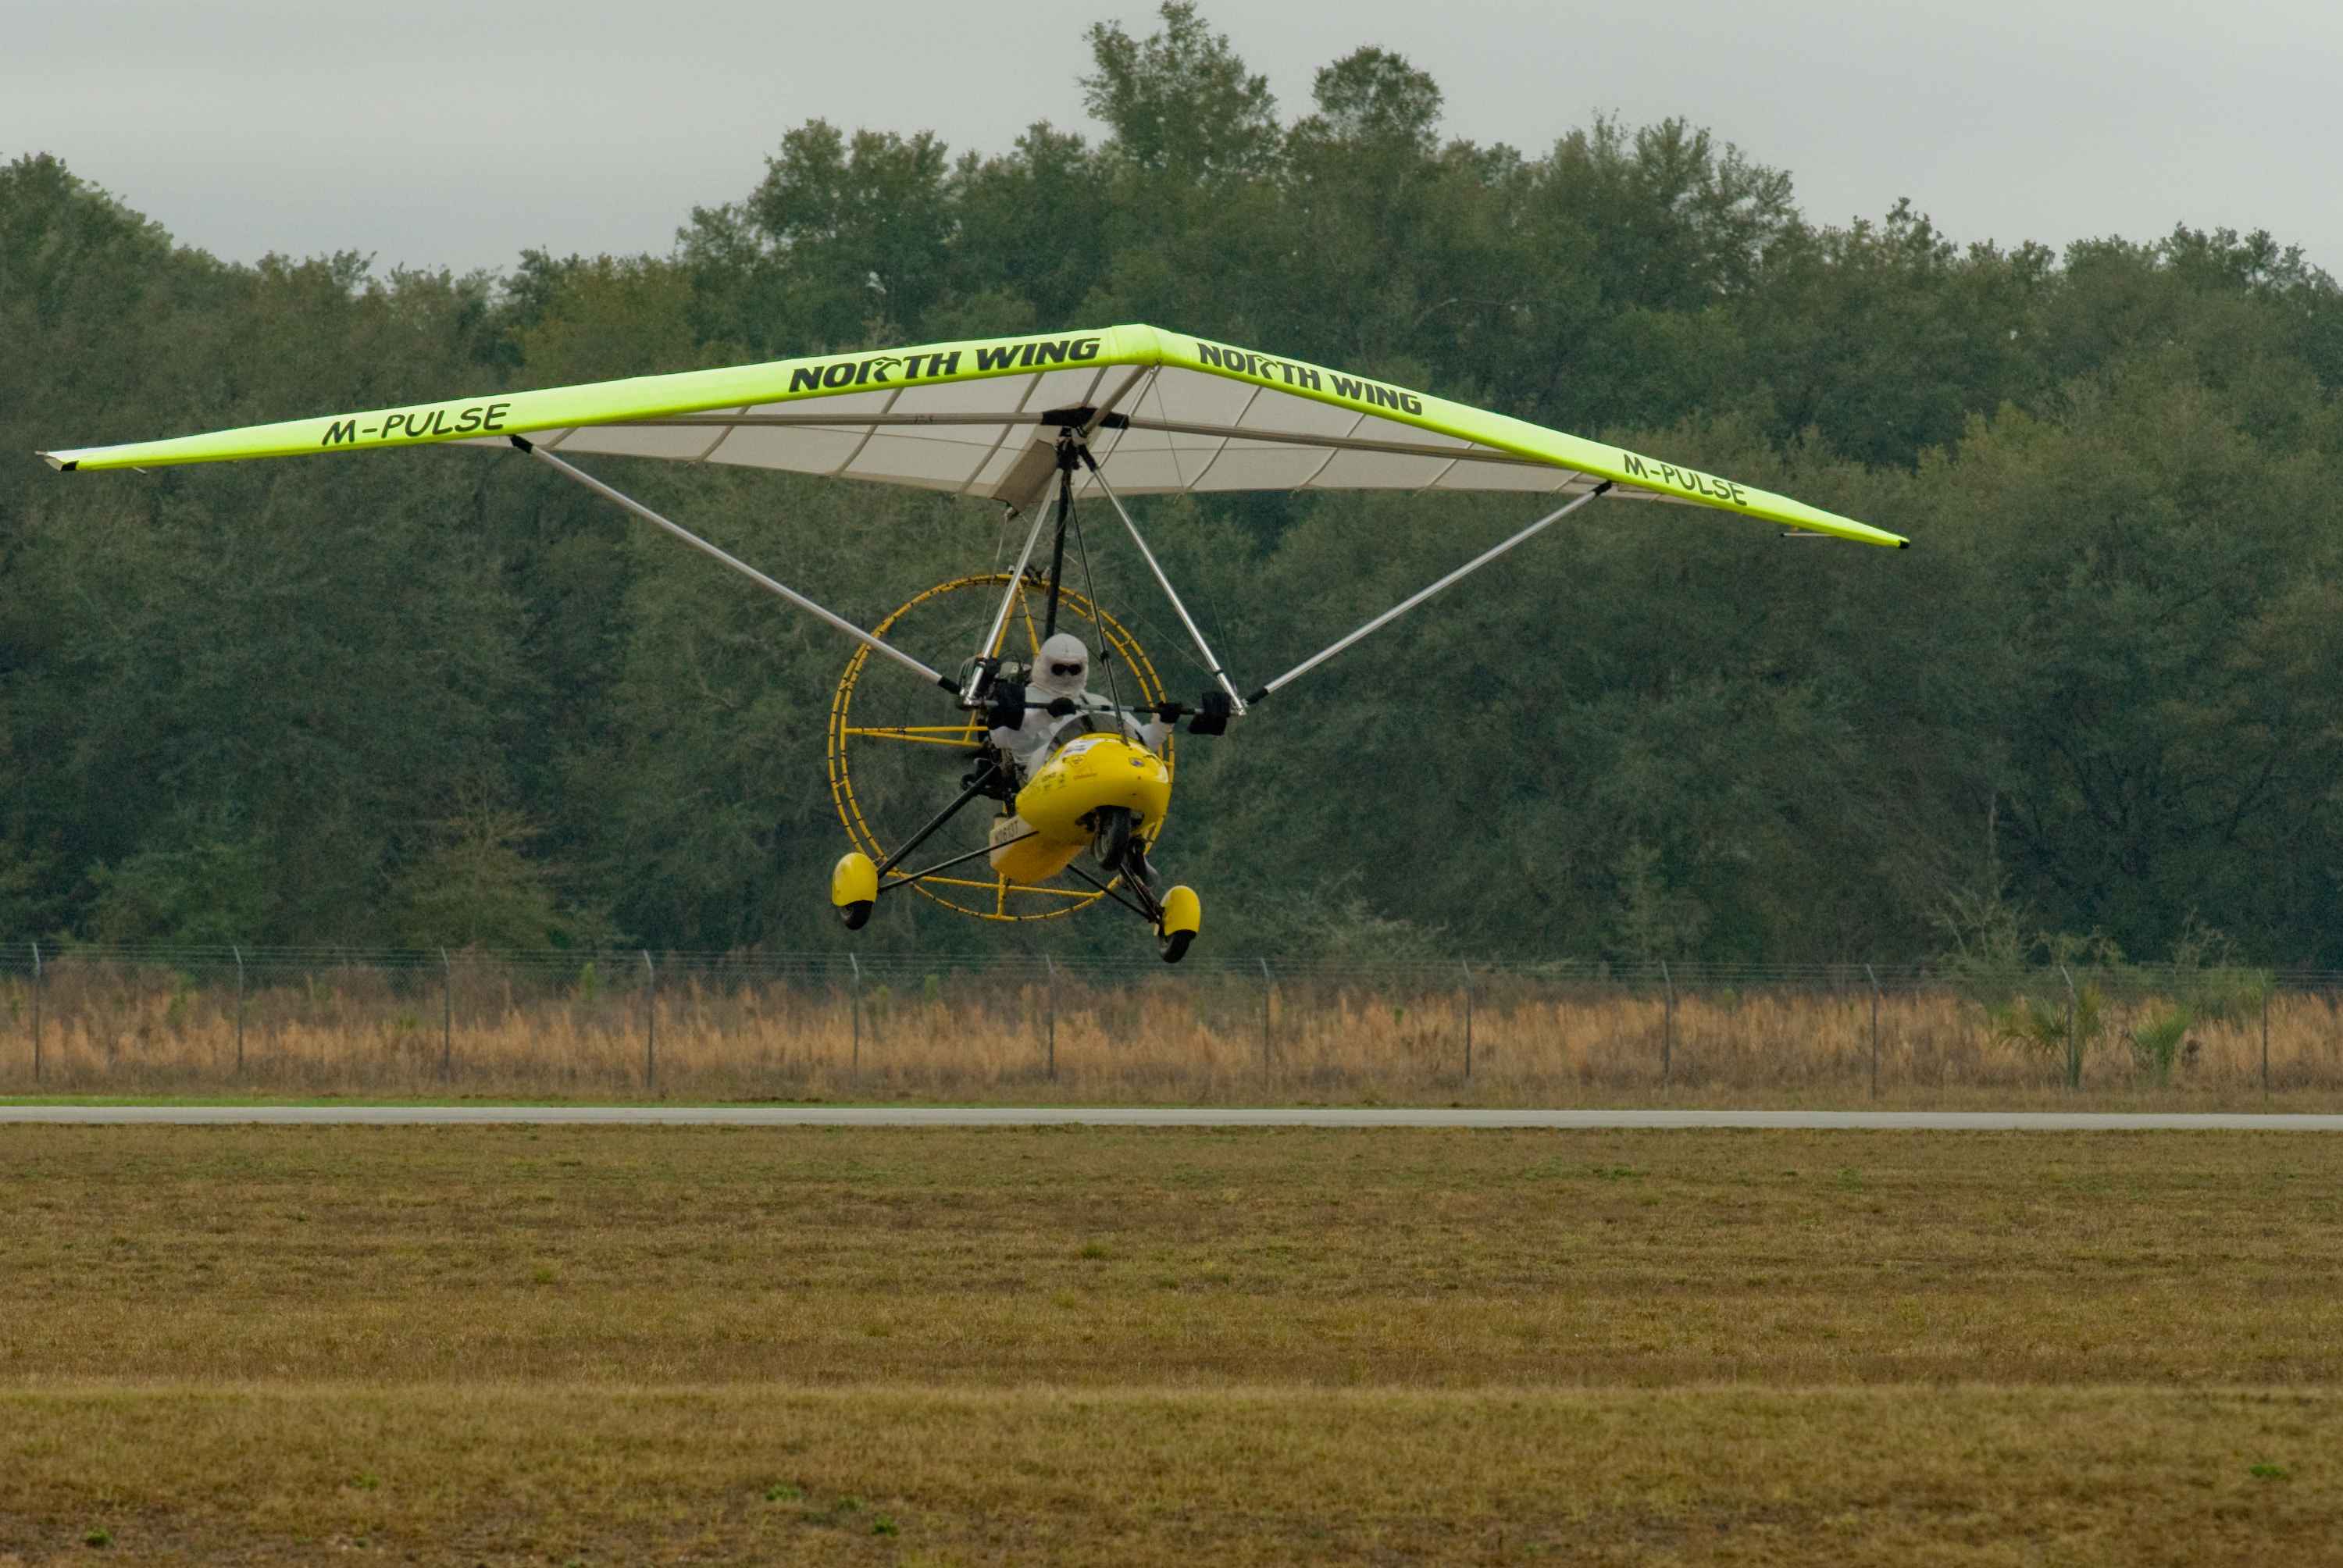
(2156, 1043)
(2059, 1033)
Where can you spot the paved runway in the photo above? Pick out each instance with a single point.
(1054, 1116)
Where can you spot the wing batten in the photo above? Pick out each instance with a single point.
(709, 450)
(869, 436)
(1220, 451)
(1000, 443)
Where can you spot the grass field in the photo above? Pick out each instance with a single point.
(554, 1345)
(1197, 1040)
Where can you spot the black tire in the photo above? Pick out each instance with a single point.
(1111, 842)
(1173, 947)
(854, 915)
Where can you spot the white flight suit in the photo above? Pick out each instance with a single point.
(1031, 743)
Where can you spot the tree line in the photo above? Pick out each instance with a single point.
(435, 698)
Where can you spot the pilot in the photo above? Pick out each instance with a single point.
(1068, 709)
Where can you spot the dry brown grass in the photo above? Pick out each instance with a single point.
(1201, 1040)
(303, 1473)
(513, 1344)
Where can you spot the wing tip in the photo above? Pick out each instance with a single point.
(62, 465)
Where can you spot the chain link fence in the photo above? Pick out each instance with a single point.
(152, 1020)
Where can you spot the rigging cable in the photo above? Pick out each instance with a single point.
(1106, 652)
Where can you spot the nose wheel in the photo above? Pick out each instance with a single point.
(1111, 843)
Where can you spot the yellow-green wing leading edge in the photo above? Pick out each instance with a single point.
(1163, 413)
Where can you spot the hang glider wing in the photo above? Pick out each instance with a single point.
(1162, 412)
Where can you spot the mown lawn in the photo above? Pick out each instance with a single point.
(600, 1345)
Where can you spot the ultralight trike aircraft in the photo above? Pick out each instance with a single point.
(1038, 425)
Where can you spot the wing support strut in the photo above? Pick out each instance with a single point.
(1212, 660)
(980, 783)
(746, 571)
(1409, 603)
(972, 692)
(905, 878)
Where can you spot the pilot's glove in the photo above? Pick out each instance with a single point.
(1008, 710)
(1061, 707)
(1212, 715)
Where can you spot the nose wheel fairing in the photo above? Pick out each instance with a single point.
(1090, 774)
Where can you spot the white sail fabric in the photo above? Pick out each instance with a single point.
(1154, 430)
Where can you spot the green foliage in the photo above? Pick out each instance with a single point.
(2037, 1028)
(2210, 981)
(1180, 103)
(2061, 1033)
(475, 886)
(212, 893)
(2157, 1042)
(438, 700)
(1982, 938)
(1657, 919)
(1335, 923)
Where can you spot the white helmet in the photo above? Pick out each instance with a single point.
(1062, 667)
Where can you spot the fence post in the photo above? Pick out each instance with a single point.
(446, 1018)
(1873, 976)
(1468, 1021)
(2266, 996)
(1667, 1026)
(651, 1024)
(856, 1069)
(1050, 1048)
(38, 983)
(2074, 1032)
(238, 952)
(1267, 981)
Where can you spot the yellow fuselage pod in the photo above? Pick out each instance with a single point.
(1086, 773)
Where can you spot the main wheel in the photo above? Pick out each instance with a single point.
(853, 889)
(1176, 926)
(890, 772)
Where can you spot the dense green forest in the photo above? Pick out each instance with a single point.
(442, 698)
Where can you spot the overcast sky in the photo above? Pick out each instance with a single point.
(435, 135)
